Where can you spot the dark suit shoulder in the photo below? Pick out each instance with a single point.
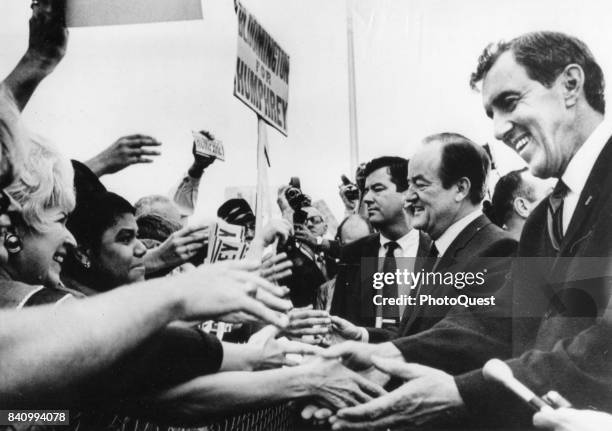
(485, 239)
(364, 247)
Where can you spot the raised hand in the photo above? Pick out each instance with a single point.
(124, 152)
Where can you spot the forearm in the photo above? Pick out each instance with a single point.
(97, 166)
(195, 170)
(46, 351)
(238, 357)
(222, 392)
(25, 77)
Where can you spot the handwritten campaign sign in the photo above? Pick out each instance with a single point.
(262, 71)
(85, 13)
(208, 147)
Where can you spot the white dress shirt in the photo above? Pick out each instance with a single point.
(408, 245)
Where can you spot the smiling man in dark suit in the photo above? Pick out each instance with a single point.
(447, 178)
(544, 92)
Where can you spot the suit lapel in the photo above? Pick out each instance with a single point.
(578, 230)
(422, 251)
(462, 240)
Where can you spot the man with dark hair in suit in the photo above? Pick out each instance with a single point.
(447, 177)
(544, 93)
(516, 194)
(384, 197)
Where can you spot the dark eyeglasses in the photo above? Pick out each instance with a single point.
(314, 220)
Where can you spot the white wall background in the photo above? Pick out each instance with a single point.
(413, 60)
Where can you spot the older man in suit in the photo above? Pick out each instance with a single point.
(544, 92)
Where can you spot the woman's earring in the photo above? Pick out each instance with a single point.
(12, 243)
(85, 262)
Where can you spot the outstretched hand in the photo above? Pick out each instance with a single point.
(124, 152)
(213, 290)
(429, 395)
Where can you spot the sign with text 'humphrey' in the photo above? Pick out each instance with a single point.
(262, 71)
(86, 13)
(208, 147)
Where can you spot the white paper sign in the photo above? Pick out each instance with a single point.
(86, 13)
(208, 147)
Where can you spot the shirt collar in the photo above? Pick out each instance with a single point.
(575, 174)
(411, 239)
(454, 230)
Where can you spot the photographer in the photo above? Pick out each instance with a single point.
(311, 265)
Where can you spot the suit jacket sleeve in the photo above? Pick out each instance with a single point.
(466, 337)
(579, 368)
(170, 357)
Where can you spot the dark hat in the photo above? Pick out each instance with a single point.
(236, 211)
(86, 182)
(155, 227)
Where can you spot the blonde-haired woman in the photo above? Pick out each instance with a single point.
(38, 240)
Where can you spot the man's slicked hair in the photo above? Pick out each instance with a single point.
(462, 158)
(506, 190)
(544, 55)
(396, 166)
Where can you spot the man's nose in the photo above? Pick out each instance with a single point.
(501, 126)
(411, 195)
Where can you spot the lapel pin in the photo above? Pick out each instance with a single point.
(588, 201)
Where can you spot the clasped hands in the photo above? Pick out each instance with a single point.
(427, 395)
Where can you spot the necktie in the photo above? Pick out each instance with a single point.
(390, 290)
(555, 213)
(431, 258)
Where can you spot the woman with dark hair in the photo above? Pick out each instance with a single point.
(108, 253)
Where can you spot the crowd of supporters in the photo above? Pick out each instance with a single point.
(111, 310)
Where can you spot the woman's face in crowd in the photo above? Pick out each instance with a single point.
(42, 253)
(119, 259)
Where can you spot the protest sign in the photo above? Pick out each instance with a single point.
(208, 147)
(262, 72)
(87, 13)
(226, 242)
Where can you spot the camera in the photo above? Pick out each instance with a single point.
(351, 192)
(295, 198)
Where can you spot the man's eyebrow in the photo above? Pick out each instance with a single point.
(418, 177)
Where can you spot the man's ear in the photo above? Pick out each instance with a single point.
(521, 207)
(464, 186)
(572, 79)
(82, 255)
